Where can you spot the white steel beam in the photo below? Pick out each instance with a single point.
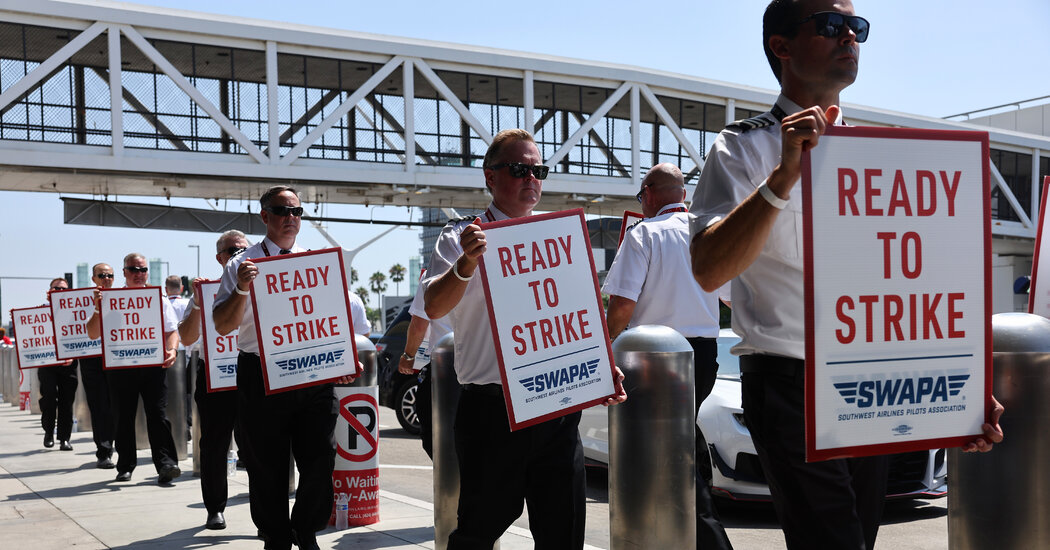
(26, 84)
(529, 100)
(1037, 184)
(341, 110)
(597, 115)
(451, 98)
(116, 88)
(273, 127)
(665, 117)
(1010, 198)
(408, 73)
(214, 112)
(636, 138)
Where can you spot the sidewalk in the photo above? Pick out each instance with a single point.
(51, 499)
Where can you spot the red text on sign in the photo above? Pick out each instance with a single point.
(304, 331)
(541, 256)
(548, 333)
(924, 190)
(310, 277)
(900, 315)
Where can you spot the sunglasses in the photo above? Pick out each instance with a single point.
(642, 192)
(283, 211)
(235, 250)
(831, 24)
(520, 170)
(105, 275)
(136, 269)
(59, 288)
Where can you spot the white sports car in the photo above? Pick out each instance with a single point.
(735, 469)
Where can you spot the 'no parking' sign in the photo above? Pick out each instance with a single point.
(356, 471)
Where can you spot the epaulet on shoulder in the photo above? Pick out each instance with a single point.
(761, 121)
(635, 224)
(456, 221)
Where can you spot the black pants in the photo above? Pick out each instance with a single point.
(709, 530)
(297, 422)
(828, 504)
(218, 418)
(540, 466)
(58, 388)
(424, 411)
(125, 387)
(97, 391)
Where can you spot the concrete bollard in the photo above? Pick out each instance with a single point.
(175, 378)
(652, 462)
(1000, 500)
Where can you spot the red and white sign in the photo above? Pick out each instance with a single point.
(302, 319)
(34, 337)
(897, 241)
(356, 472)
(132, 327)
(547, 317)
(629, 219)
(1039, 293)
(220, 352)
(70, 311)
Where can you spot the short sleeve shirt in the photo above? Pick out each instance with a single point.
(360, 315)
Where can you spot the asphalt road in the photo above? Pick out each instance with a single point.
(907, 524)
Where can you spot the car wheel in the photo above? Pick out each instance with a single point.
(405, 406)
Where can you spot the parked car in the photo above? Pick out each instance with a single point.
(735, 470)
(396, 390)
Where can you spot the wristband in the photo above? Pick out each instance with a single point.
(771, 197)
(455, 271)
(241, 292)
(407, 357)
(195, 306)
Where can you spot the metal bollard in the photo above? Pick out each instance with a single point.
(175, 378)
(7, 355)
(81, 412)
(652, 455)
(33, 375)
(1000, 499)
(195, 417)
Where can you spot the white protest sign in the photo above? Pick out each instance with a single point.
(34, 337)
(220, 352)
(132, 321)
(302, 319)
(547, 318)
(1039, 293)
(70, 310)
(898, 308)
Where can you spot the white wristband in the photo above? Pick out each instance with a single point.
(771, 197)
(195, 306)
(455, 271)
(238, 290)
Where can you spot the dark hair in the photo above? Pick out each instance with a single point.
(269, 194)
(781, 18)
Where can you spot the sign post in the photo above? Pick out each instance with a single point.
(897, 243)
(547, 318)
(302, 319)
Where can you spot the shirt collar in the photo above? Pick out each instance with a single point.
(274, 249)
(495, 213)
(671, 206)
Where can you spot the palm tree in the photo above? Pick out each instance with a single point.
(377, 283)
(362, 293)
(397, 274)
(353, 276)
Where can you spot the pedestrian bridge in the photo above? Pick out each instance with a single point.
(122, 101)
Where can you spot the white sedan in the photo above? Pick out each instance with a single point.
(735, 469)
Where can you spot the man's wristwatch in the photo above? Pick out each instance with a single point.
(408, 357)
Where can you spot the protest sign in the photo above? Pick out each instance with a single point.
(302, 319)
(1039, 293)
(629, 219)
(897, 249)
(34, 337)
(70, 311)
(220, 352)
(132, 321)
(546, 314)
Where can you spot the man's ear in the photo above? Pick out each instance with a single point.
(779, 46)
(490, 177)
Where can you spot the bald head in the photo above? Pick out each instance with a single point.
(664, 184)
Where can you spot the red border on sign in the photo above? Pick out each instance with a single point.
(356, 424)
(258, 330)
(514, 424)
(18, 349)
(812, 453)
(627, 214)
(1038, 245)
(102, 327)
(54, 327)
(199, 295)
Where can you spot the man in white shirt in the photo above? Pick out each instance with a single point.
(649, 284)
(500, 470)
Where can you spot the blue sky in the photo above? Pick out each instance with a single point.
(929, 57)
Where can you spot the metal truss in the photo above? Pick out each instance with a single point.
(352, 118)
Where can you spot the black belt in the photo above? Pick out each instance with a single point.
(771, 364)
(490, 390)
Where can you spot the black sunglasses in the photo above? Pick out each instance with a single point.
(59, 288)
(520, 170)
(830, 24)
(283, 211)
(105, 275)
(642, 192)
(136, 269)
(235, 250)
